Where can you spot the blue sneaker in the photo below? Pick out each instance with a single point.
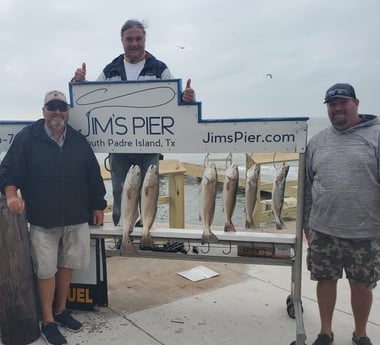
(51, 334)
(65, 319)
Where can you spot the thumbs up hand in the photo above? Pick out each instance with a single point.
(80, 73)
(188, 94)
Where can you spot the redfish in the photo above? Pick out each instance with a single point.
(251, 195)
(207, 202)
(278, 194)
(230, 188)
(130, 208)
(149, 199)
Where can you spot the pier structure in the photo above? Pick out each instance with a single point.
(136, 113)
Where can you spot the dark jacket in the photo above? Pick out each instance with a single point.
(60, 186)
(153, 69)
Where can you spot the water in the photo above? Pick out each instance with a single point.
(192, 185)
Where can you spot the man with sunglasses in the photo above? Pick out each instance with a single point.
(61, 188)
(135, 64)
(341, 211)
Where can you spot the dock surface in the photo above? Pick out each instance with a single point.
(150, 304)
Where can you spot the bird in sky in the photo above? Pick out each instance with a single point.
(269, 75)
(181, 47)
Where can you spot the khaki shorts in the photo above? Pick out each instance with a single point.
(62, 246)
(327, 256)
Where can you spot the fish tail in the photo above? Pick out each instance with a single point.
(250, 224)
(279, 224)
(228, 227)
(127, 247)
(209, 237)
(146, 241)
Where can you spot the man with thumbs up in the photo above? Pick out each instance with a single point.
(135, 64)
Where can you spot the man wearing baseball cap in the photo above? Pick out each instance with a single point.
(61, 190)
(55, 95)
(341, 210)
(340, 90)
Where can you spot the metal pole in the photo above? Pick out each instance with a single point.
(300, 328)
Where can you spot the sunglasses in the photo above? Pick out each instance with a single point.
(339, 92)
(57, 106)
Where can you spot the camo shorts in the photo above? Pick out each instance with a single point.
(327, 256)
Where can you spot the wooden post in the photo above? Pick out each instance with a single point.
(177, 205)
(18, 297)
(175, 172)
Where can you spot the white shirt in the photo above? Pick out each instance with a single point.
(133, 69)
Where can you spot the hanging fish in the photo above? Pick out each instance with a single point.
(251, 195)
(149, 200)
(278, 194)
(230, 188)
(207, 203)
(130, 208)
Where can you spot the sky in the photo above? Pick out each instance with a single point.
(229, 50)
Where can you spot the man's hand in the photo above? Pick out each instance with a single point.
(98, 217)
(188, 94)
(80, 73)
(16, 204)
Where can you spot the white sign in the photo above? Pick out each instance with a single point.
(8, 130)
(149, 116)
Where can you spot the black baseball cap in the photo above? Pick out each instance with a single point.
(340, 90)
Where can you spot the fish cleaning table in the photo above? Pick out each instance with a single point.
(276, 248)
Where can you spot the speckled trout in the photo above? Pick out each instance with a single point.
(130, 208)
(230, 188)
(149, 199)
(207, 203)
(278, 193)
(251, 190)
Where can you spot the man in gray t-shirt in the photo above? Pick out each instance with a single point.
(341, 211)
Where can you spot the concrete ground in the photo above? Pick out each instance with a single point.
(150, 304)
